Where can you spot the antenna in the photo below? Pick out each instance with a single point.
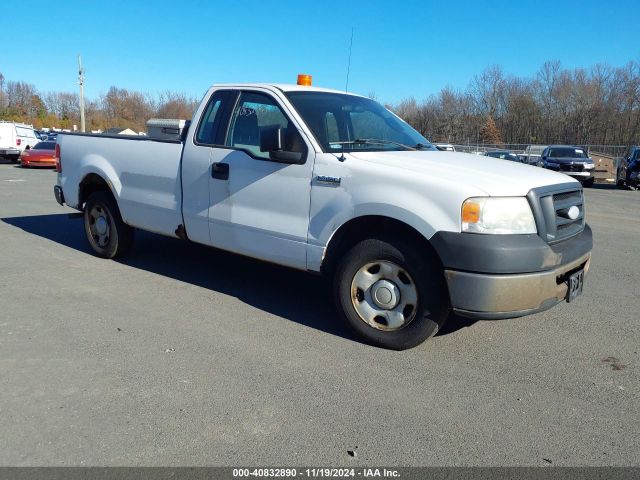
(346, 87)
(81, 83)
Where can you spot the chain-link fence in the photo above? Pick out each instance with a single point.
(606, 157)
(613, 151)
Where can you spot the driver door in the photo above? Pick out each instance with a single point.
(260, 207)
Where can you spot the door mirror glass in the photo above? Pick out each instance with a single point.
(271, 138)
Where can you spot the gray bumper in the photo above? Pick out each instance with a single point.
(506, 296)
(505, 276)
(59, 194)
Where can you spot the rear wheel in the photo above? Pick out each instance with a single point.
(390, 293)
(107, 234)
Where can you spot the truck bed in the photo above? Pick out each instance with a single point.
(146, 173)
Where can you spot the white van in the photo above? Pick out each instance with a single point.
(16, 138)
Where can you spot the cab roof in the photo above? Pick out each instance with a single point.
(285, 87)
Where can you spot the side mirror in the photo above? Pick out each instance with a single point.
(272, 140)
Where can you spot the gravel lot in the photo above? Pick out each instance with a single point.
(183, 355)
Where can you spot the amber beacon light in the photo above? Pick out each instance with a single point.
(304, 79)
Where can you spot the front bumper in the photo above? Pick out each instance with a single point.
(583, 174)
(496, 276)
(489, 296)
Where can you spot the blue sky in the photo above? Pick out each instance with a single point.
(400, 48)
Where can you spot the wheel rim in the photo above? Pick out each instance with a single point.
(99, 226)
(384, 295)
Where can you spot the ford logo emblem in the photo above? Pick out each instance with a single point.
(573, 212)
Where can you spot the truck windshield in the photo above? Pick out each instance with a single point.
(356, 124)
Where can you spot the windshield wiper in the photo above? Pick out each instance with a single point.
(422, 146)
(373, 141)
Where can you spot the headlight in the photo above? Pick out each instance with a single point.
(589, 166)
(497, 215)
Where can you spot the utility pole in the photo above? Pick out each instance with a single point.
(81, 82)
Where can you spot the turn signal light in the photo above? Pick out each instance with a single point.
(470, 212)
(304, 79)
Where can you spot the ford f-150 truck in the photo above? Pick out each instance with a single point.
(334, 183)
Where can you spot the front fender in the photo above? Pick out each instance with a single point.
(407, 206)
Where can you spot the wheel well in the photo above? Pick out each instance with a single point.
(90, 184)
(370, 226)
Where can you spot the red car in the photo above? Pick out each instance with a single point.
(41, 155)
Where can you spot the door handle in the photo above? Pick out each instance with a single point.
(220, 171)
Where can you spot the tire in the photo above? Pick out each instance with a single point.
(368, 269)
(588, 183)
(108, 235)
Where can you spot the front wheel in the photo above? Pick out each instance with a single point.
(588, 182)
(391, 293)
(108, 235)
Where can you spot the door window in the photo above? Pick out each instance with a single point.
(211, 129)
(253, 112)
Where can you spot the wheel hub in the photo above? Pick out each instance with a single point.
(101, 225)
(385, 294)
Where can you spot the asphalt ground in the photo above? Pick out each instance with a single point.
(184, 355)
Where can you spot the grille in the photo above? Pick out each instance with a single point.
(571, 168)
(552, 211)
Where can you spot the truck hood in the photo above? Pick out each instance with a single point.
(494, 176)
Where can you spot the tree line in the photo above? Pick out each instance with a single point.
(119, 107)
(583, 106)
(599, 105)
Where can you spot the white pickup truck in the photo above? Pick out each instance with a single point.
(331, 182)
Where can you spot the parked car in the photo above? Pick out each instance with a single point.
(628, 168)
(445, 147)
(533, 154)
(41, 155)
(15, 138)
(504, 155)
(330, 182)
(570, 160)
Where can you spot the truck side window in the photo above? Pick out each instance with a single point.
(211, 119)
(253, 112)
